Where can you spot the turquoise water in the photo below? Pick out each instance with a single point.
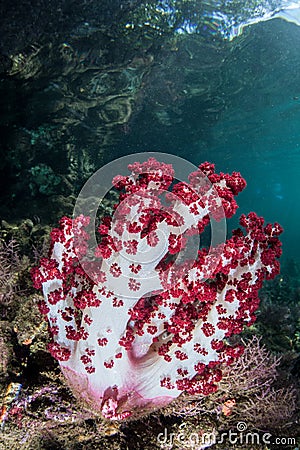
(258, 133)
(216, 81)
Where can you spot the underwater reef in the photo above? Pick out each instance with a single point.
(83, 82)
(39, 411)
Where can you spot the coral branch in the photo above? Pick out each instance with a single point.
(142, 320)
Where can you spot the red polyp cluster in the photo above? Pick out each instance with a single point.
(141, 322)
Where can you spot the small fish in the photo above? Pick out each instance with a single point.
(11, 395)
